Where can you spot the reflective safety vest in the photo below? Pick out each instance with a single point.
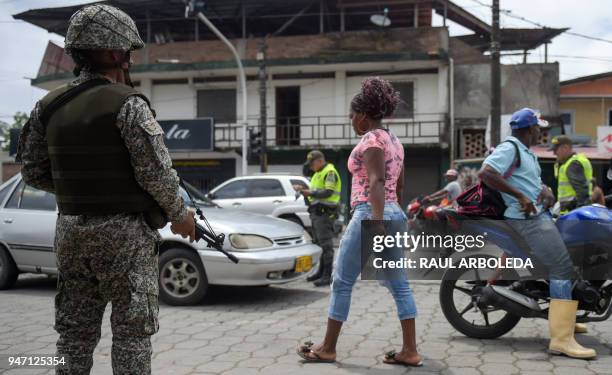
(319, 182)
(565, 191)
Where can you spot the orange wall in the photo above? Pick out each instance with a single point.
(601, 86)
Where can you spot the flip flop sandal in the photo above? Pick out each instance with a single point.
(305, 350)
(390, 360)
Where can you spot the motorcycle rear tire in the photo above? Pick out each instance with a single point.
(498, 329)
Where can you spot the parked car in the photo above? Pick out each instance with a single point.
(269, 194)
(270, 250)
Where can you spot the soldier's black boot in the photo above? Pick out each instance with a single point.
(317, 275)
(326, 278)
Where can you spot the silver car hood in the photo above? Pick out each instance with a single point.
(225, 220)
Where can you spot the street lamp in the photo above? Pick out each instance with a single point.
(190, 7)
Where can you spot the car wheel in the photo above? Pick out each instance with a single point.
(8, 270)
(293, 219)
(182, 279)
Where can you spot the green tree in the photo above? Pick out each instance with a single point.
(19, 120)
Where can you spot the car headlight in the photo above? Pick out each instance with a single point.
(307, 237)
(249, 241)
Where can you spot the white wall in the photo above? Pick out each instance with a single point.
(174, 102)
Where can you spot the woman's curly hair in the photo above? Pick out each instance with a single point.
(377, 98)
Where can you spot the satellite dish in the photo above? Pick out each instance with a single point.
(381, 20)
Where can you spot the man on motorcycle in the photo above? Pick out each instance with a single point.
(450, 192)
(527, 200)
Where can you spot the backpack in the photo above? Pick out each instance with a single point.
(481, 200)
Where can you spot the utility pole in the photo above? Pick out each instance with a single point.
(263, 113)
(495, 77)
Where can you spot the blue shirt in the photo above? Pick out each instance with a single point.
(526, 178)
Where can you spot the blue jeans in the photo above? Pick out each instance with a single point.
(547, 245)
(348, 267)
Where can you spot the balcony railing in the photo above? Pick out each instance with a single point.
(330, 131)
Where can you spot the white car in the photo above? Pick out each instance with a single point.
(270, 251)
(269, 194)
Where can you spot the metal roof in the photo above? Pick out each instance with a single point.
(514, 39)
(588, 78)
(165, 19)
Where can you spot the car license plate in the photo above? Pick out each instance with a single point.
(303, 264)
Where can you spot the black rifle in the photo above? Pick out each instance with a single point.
(207, 234)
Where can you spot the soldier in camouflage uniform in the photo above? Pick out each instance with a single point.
(106, 250)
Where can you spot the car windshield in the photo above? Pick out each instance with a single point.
(198, 197)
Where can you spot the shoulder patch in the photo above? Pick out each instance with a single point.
(152, 128)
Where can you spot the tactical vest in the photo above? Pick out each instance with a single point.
(90, 163)
(317, 182)
(565, 191)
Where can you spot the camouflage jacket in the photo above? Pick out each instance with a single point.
(143, 138)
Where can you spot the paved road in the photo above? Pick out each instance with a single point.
(256, 330)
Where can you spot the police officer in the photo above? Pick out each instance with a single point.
(323, 197)
(574, 174)
(95, 144)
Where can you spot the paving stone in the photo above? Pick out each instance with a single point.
(572, 371)
(531, 365)
(498, 369)
(454, 361)
(461, 371)
(256, 362)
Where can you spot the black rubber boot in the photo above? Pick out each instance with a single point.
(316, 276)
(326, 278)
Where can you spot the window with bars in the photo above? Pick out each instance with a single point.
(218, 104)
(406, 107)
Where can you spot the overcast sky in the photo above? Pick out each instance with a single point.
(23, 44)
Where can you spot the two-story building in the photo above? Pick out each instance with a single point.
(586, 103)
(316, 55)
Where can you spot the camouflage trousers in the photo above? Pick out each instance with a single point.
(106, 259)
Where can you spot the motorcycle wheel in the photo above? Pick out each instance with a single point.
(488, 323)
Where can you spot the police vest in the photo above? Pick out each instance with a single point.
(90, 163)
(565, 191)
(317, 182)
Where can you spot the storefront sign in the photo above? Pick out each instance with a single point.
(604, 139)
(189, 135)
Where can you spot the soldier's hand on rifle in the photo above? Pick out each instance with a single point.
(185, 228)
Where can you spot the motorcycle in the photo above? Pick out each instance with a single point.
(488, 303)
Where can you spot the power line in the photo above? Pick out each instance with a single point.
(592, 58)
(510, 14)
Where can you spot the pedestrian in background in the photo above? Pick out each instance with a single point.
(574, 174)
(450, 192)
(377, 166)
(323, 200)
(95, 144)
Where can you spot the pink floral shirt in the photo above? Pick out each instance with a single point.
(394, 161)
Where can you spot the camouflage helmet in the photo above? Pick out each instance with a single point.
(98, 27)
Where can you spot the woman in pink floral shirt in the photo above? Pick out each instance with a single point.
(377, 165)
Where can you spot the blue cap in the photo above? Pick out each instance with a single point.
(525, 118)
